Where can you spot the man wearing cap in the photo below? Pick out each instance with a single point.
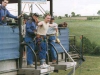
(52, 32)
(5, 13)
(30, 35)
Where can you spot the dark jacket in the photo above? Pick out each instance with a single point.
(30, 29)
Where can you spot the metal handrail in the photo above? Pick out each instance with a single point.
(33, 53)
(55, 50)
(69, 57)
(74, 48)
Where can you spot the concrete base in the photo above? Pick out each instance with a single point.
(6, 66)
(64, 65)
(11, 73)
(32, 71)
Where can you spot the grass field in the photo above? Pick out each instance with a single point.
(90, 29)
(90, 67)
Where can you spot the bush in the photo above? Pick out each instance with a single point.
(59, 17)
(89, 18)
(90, 48)
(87, 46)
(96, 50)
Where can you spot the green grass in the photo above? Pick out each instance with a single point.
(90, 29)
(90, 67)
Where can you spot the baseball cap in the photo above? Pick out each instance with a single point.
(36, 14)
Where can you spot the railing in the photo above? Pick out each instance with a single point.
(21, 54)
(73, 46)
(66, 54)
(74, 39)
(80, 53)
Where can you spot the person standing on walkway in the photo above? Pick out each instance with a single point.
(52, 33)
(30, 35)
(41, 39)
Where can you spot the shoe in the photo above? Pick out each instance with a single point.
(54, 61)
(44, 66)
(30, 66)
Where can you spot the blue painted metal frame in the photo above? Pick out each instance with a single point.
(9, 42)
(64, 39)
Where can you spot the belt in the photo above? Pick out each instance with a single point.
(50, 34)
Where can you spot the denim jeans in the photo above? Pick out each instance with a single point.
(53, 52)
(42, 47)
(30, 55)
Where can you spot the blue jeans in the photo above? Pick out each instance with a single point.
(53, 52)
(30, 55)
(42, 48)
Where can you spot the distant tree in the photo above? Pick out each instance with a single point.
(98, 12)
(73, 14)
(78, 15)
(66, 15)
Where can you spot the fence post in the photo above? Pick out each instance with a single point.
(81, 51)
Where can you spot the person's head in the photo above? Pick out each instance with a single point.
(35, 16)
(5, 2)
(52, 19)
(47, 18)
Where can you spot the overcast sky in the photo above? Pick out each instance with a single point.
(62, 7)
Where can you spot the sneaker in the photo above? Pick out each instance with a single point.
(44, 66)
(30, 66)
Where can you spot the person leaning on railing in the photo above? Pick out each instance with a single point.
(5, 13)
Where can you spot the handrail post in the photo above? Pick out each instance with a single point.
(82, 46)
(47, 61)
(21, 55)
(74, 40)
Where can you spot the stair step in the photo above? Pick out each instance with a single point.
(74, 54)
(33, 71)
(64, 65)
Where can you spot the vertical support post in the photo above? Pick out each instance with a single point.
(20, 36)
(31, 8)
(82, 47)
(74, 40)
(51, 7)
(19, 20)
